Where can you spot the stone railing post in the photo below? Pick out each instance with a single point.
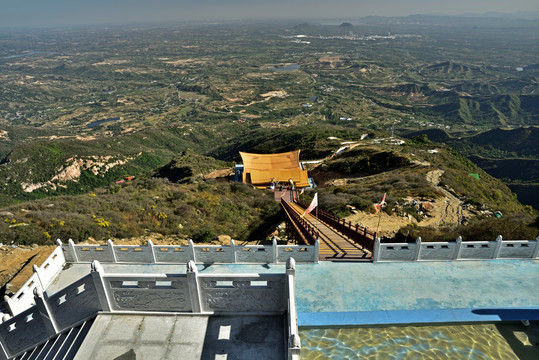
(97, 273)
(60, 246)
(61, 251)
(72, 250)
(192, 250)
(498, 247)
(417, 250)
(274, 251)
(376, 250)
(44, 311)
(458, 246)
(112, 251)
(291, 266)
(152, 250)
(535, 253)
(38, 276)
(294, 347)
(194, 289)
(316, 250)
(233, 248)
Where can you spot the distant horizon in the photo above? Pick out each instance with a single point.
(73, 13)
(321, 20)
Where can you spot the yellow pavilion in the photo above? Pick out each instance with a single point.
(260, 169)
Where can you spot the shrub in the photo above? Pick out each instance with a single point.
(511, 228)
(203, 236)
(361, 203)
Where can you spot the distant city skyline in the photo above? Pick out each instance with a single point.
(30, 13)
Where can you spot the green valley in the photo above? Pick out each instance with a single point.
(170, 107)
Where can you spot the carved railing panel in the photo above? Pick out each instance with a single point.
(157, 293)
(75, 303)
(518, 249)
(477, 250)
(438, 251)
(263, 293)
(258, 254)
(300, 253)
(131, 253)
(172, 254)
(89, 253)
(397, 252)
(214, 254)
(25, 329)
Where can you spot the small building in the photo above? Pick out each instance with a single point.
(263, 169)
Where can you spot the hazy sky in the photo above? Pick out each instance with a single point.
(73, 12)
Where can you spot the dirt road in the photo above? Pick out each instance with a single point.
(447, 211)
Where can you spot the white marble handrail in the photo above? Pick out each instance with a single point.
(182, 254)
(42, 277)
(190, 292)
(457, 250)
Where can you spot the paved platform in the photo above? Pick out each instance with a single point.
(130, 337)
(364, 293)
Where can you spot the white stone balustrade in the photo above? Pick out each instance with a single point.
(458, 250)
(182, 254)
(41, 278)
(163, 254)
(193, 293)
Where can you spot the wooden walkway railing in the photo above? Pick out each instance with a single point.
(333, 244)
(308, 233)
(356, 233)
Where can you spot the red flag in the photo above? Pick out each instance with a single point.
(311, 207)
(378, 206)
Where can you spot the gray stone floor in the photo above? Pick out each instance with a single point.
(130, 337)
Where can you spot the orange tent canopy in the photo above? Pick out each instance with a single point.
(260, 169)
